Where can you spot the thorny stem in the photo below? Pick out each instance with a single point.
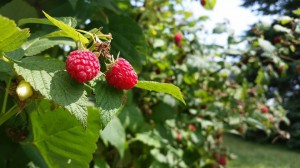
(5, 96)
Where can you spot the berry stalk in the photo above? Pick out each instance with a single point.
(5, 96)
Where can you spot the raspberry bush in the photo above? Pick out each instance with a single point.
(112, 69)
(40, 89)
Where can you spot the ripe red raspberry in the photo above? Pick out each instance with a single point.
(192, 127)
(178, 137)
(203, 2)
(177, 38)
(277, 40)
(264, 109)
(121, 75)
(222, 160)
(82, 65)
(298, 68)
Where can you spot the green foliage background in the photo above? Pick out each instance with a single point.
(136, 128)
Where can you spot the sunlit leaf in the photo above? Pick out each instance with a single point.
(161, 87)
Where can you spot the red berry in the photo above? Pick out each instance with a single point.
(178, 137)
(192, 127)
(177, 38)
(203, 2)
(281, 69)
(298, 68)
(264, 109)
(157, 71)
(222, 160)
(82, 65)
(277, 40)
(121, 75)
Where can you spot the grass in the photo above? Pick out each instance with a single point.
(254, 155)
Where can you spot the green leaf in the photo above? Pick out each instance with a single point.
(285, 20)
(196, 63)
(220, 28)
(127, 50)
(67, 20)
(161, 87)
(73, 3)
(48, 76)
(15, 55)
(100, 162)
(128, 38)
(109, 100)
(203, 18)
(6, 71)
(57, 140)
(13, 37)
(108, 4)
(114, 133)
(10, 151)
(132, 117)
(158, 116)
(70, 31)
(280, 28)
(266, 45)
(18, 9)
(38, 45)
(158, 156)
(297, 11)
(297, 30)
(255, 123)
(210, 4)
(58, 33)
(149, 138)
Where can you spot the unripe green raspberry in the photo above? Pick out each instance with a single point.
(24, 90)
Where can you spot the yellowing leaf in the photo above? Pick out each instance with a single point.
(297, 11)
(70, 31)
(13, 37)
(292, 48)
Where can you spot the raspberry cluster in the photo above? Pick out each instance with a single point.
(83, 66)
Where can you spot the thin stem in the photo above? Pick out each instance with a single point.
(287, 58)
(12, 111)
(86, 32)
(4, 58)
(5, 96)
